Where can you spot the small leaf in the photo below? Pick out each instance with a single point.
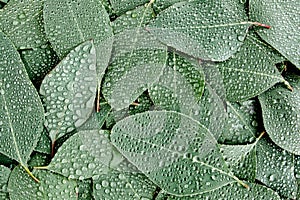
(85, 189)
(21, 111)
(128, 186)
(160, 5)
(21, 21)
(281, 109)
(120, 7)
(275, 168)
(283, 17)
(4, 175)
(39, 159)
(251, 71)
(44, 144)
(163, 143)
(69, 91)
(203, 29)
(83, 155)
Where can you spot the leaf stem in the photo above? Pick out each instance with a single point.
(288, 85)
(241, 182)
(30, 174)
(41, 167)
(98, 98)
(261, 25)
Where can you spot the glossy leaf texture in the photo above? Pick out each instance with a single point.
(21, 111)
(281, 114)
(138, 61)
(123, 185)
(251, 71)
(69, 91)
(69, 23)
(210, 30)
(283, 17)
(52, 186)
(4, 175)
(163, 143)
(22, 22)
(83, 155)
(121, 6)
(275, 168)
(232, 192)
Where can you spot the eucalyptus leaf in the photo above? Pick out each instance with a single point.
(163, 143)
(4, 175)
(22, 21)
(21, 111)
(121, 6)
(281, 114)
(85, 189)
(160, 5)
(210, 30)
(44, 144)
(283, 17)
(69, 91)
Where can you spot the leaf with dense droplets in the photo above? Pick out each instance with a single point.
(121, 6)
(21, 111)
(251, 71)
(123, 185)
(39, 159)
(242, 124)
(83, 155)
(283, 17)
(4, 175)
(44, 144)
(275, 169)
(85, 189)
(160, 5)
(69, 91)
(281, 114)
(203, 29)
(138, 60)
(21, 21)
(138, 17)
(39, 62)
(69, 23)
(52, 186)
(163, 143)
(231, 192)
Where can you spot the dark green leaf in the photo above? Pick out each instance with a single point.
(4, 175)
(85, 189)
(44, 144)
(121, 6)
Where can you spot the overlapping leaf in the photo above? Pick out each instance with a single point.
(5, 172)
(122, 6)
(69, 91)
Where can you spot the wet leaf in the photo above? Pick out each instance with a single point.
(21, 111)
(44, 144)
(163, 143)
(122, 185)
(52, 186)
(69, 91)
(83, 155)
(251, 71)
(22, 21)
(85, 189)
(281, 114)
(283, 17)
(160, 5)
(121, 6)
(203, 29)
(275, 168)
(4, 175)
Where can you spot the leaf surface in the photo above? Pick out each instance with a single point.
(281, 114)
(4, 172)
(209, 30)
(69, 91)
(21, 111)
(283, 17)
(120, 7)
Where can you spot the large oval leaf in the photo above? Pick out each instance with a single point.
(69, 91)
(176, 152)
(281, 115)
(211, 30)
(21, 111)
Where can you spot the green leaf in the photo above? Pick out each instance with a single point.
(232, 192)
(44, 144)
(138, 61)
(69, 23)
(275, 168)
(122, 6)
(83, 155)
(163, 143)
(283, 17)
(85, 189)
(210, 30)
(242, 126)
(39, 62)
(160, 5)
(21, 111)
(52, 186)
(280, 110)
(21, 21)
(5, 172)
(297, 173)
(39, 159)
(122, 185)
(69, 91)
(251, 71)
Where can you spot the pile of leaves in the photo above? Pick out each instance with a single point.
(139, 99)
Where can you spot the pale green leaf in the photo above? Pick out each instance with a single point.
(211, 30)
(22, 21)
(21, 111)
(69, 91)
(281, 115)
(251, 71)
(284, 19)
(121, 6)
(160, 5)
(163, 143)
